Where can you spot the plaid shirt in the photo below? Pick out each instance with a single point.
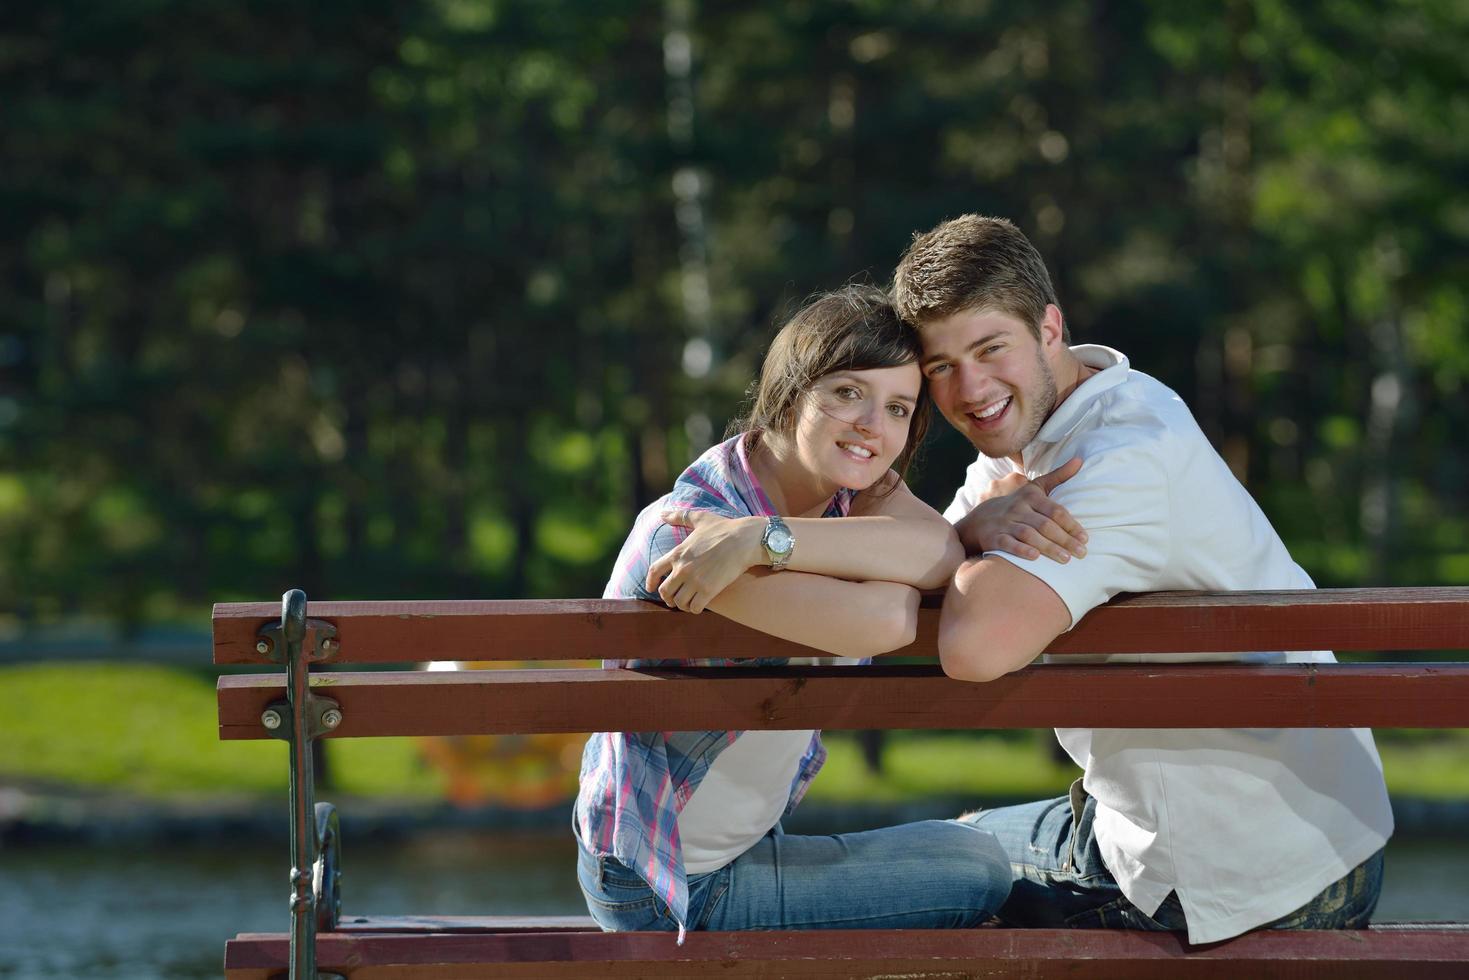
(634, 784)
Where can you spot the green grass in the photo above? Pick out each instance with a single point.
(918, 765)
(152, 731)
(1436, 769)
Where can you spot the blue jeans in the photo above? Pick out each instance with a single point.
(935, 874)
(1060, 880)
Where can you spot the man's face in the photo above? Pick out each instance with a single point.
(990, 377)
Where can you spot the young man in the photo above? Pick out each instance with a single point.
(1208, 831)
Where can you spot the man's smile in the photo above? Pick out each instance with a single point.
(991, 414)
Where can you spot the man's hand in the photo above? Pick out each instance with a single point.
(1018, 516)
(702, 565)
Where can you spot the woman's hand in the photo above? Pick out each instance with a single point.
(1018, 516)
(702, 565)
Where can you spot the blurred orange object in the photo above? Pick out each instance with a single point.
(526, 771)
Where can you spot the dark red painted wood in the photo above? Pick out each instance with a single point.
(1040, 954)
(915, 696)
(578, 629)
(466, 923)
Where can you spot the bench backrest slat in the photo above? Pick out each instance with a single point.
(915, 696)
(584, 629)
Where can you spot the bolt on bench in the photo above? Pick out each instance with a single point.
(300, 706)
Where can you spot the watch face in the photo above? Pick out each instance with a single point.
(778, 540)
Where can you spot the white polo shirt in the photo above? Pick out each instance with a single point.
(1246, 825)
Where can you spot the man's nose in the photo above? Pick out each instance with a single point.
(971, 381)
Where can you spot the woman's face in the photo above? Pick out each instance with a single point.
(851, 425)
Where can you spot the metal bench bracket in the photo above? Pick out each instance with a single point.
(300, 719)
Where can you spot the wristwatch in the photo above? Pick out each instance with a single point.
(778, 543)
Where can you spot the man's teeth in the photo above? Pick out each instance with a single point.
(993, 410)
(856, 450)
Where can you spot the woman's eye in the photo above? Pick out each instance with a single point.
(898, 410)
(848, 392)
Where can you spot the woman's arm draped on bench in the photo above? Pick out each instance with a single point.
(846, 619)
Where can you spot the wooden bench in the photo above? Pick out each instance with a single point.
(414, 702)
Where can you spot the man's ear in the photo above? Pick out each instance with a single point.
(1053, 328)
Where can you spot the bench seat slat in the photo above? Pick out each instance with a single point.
(422, 924)
(582, 629)
(907, 697)
(1039, 954)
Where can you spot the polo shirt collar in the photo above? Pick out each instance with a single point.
(1067, 415)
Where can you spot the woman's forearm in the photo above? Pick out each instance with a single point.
(919, 552)
(847, 619)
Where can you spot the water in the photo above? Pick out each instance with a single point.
(68, 912)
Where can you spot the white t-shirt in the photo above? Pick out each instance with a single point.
(1246, 825)
(740, 798)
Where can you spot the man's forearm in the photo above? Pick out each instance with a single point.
(996, 619)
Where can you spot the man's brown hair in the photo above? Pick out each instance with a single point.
(973, 263)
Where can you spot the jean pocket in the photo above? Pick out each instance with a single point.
(1347, 903)
(631, 905)
(644, 915)
(707, 894)
(609, 883)
(615, 877)
(621, 902)
(1116, 914)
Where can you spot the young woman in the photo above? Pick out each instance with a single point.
(681, 830)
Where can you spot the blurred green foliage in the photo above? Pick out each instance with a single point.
(425, 299)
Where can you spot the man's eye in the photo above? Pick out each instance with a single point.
(992, 348)
(937, 369)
